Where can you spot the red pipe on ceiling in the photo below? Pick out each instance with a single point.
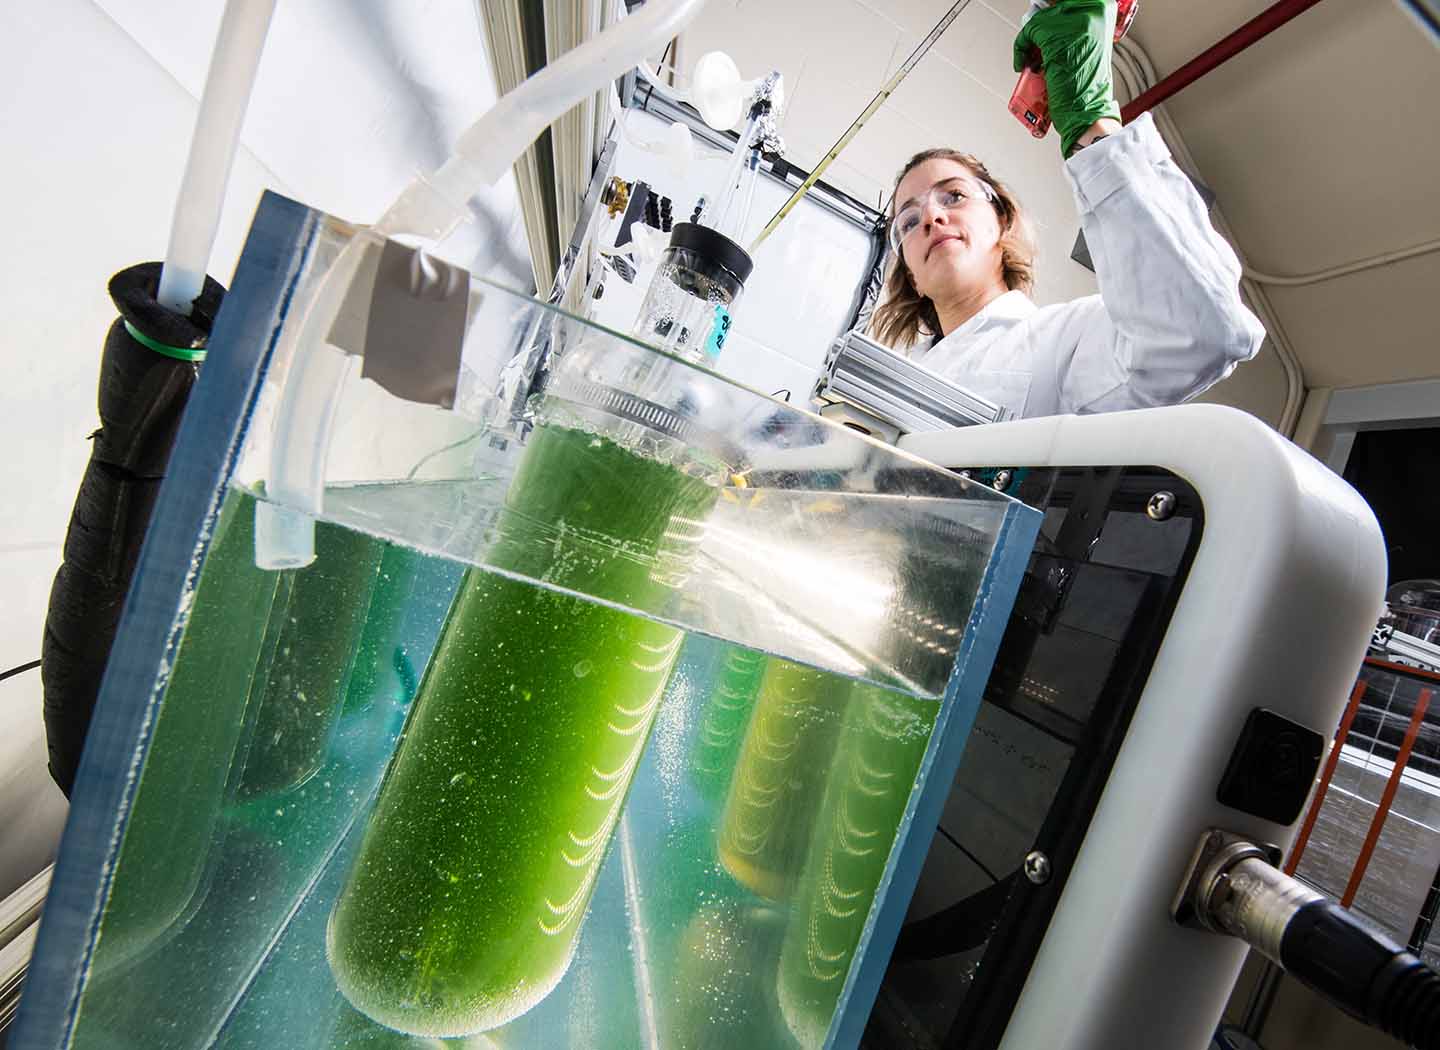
(1263, 24)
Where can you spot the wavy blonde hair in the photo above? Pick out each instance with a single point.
(905, 316)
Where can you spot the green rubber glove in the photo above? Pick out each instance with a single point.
(1074, 39)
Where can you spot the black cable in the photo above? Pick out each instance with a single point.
(19, 670)
(973, 859)
(1426, 919)
(1362, 971)
(651, 92)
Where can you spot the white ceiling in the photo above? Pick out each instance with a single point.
(1321, 142)
(1323, 146)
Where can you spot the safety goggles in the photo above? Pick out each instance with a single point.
(951, 194)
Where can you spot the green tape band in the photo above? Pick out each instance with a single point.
(177, 352)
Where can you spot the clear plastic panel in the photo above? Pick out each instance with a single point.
(599, 731)
(859, 529)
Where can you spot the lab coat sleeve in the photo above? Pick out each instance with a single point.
(1169, 321)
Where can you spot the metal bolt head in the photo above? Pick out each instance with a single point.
(1161, 506)
(1002, 480)
(1037, 867)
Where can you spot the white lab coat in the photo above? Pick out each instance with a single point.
(1168, 321)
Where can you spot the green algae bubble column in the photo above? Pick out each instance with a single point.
(465, 902)
(722, 987)
(174, 823)
(727, 716)
(879, 754)
(317, 635)
(779, 777)
(375, 660)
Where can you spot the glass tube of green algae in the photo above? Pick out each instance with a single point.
(318, 632)
(877, 759)
(779, 776)
(726, 717)
(465, 902)
(174, 823)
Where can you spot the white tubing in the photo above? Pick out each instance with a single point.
(432, 206)
(429, 207)
(677, 147)
(212, 151)
(657, 83)
(285, 529)
(1295, 280)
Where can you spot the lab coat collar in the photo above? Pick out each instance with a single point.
(1011, 306)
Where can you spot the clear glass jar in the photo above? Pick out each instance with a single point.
(687, 307)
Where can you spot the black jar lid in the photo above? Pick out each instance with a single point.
(714, 247)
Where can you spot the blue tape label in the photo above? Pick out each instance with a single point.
(718, 331)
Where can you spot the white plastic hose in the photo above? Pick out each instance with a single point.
(430, 207)
(1295, 280)
(212, 151)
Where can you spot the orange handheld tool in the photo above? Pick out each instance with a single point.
(1029, 101)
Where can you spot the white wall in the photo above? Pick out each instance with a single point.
(95, 136)
(95, 141)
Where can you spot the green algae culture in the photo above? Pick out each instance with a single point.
(161, 871)
(352, 1030)
(722, 985)
(468, 894)
(375, 662)
(312, 642)
(727, 716)
(878, 757)
(779, 776)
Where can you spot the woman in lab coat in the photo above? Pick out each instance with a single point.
(1168, 321)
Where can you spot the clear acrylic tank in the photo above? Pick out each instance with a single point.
(624, 727)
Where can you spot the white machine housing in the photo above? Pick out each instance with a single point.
(1279, 604)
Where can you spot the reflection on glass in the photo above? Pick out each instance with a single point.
(206, 878)
(378, 657)
(716, 1004)
(354, 1031)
